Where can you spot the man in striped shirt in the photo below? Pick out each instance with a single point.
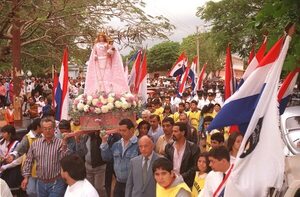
(47, 152)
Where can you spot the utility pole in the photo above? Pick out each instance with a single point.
(16, 64)
(198, 50)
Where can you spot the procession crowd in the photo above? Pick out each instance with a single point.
(166, 152)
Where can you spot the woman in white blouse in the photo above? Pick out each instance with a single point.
(10, 172)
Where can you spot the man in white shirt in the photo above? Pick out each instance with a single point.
(219, 161)
(73, 172)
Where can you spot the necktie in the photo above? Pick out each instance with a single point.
(145, 169)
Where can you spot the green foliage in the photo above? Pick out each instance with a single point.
(48, 26)
(161, 57)
(207, 50)
(242, 21)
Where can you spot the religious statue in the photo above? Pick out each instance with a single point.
(105, 71)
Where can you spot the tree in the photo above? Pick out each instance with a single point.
(207, 51)
(161, 57)
(242, 21)
(48, 26)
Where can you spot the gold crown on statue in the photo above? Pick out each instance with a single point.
(102, 33)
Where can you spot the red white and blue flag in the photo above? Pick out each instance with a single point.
(182, 82)
(230, 83)
(135, 69)
(254, 62)
(192, 73)
(261, 151)
(55, 83)
(251, 55)
(179, 67)
(62, 91)
(199, 83)
(141, 85)
(286, 89)
(239, 108)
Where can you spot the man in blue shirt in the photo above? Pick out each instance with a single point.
(121, 152)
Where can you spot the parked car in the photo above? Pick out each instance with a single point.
(290, 129)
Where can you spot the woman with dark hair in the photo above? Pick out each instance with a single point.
(47, 109)
(167, 112)
(143, 128)
(10, 172)
(217, 108)
(202, 170)
(233, 144)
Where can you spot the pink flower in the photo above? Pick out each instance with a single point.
(105, 96)
(131, 99)
(95, 96)
(92, 109)
(76, 102)
(99, 104)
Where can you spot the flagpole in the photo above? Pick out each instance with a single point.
(198, 50)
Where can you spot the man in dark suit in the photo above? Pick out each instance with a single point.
(183, 153)
(140, 182)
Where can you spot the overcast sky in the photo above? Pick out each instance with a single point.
(181, 13)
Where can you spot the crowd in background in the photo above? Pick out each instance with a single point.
(168, 145)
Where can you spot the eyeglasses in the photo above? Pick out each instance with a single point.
(47, 128)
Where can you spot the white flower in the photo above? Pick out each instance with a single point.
(97, 110)
(80, 97)
(110, 99)
(94, 102)
(118, 104)
(122, 99)
(80, 106)
(104, 109)
(86, 108)
(111, 94)
(128, 95)
(103, 100)
(125, 105)
(110, 106)
(89, 98)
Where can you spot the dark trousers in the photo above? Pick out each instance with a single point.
(109, 172)
(12, 176)
(2, 101)
(119, 190)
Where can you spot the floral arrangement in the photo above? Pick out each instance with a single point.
(101, 102)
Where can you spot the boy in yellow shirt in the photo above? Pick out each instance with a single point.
(167, 182)
(194, 114)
